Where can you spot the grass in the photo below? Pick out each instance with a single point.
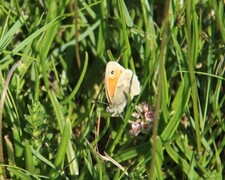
(53, 118)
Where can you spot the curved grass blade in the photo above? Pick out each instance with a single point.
(79, 81)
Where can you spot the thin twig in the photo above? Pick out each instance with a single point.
(159, 96)
(77, 34)
(107, 158)
(1, 111)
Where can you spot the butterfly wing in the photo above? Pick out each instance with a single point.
(112, 75)
(127, 84)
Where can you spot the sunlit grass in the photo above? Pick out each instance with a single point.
(55, 123)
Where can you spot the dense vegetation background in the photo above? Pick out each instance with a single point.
(53, 122)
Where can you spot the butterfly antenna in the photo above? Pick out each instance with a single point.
(121, 54)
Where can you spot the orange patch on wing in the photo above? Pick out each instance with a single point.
(111, 86)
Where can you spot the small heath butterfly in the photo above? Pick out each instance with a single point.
(119, 82)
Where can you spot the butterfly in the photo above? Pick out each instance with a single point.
(119, 82)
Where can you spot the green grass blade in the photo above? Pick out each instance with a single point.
(73, 94)
(58, 110)
(180, 102)
(29, 39)
(60, 155)
(72, 159)
(192, 34)
(179, 160)
(6, 39)
(124, 33)
(29, 158)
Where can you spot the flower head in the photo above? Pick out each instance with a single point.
(144, 119)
